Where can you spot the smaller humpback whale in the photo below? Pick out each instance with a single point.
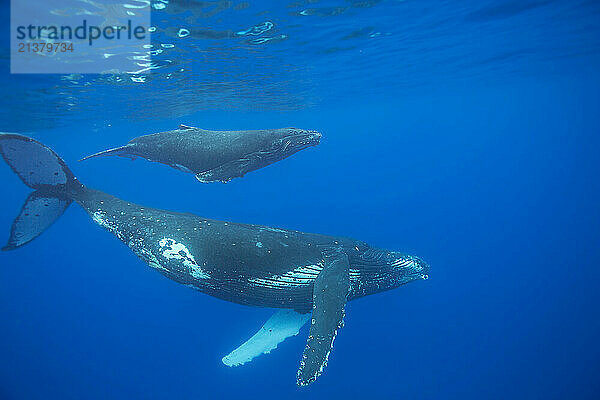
(309, 277)
(216, 156)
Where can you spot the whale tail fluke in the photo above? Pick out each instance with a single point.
(41, 169)
(122, 151)
(39, 211)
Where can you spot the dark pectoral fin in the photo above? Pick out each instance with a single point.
(235, 168)
(329, 299)
(226, 172)
(38, 213)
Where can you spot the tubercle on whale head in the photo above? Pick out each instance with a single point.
(407, 268)
(308, 136)
(292, 140)
(379, 270)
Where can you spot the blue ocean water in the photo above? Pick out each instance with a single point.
(466, 134)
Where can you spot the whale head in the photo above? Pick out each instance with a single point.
(379, 270)
(288, 141)
(405, 268)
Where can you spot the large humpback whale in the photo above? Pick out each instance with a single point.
(216, 155)
(307, 276)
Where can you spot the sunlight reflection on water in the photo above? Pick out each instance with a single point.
(245, 56)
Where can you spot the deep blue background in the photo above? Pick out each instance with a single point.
(493, 183)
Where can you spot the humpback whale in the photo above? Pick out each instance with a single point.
(308, 277)
(216, 156)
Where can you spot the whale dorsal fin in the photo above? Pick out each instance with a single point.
(282, 325)
(329, 299)
(185, 127)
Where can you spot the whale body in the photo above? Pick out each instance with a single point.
(308, 276)
(216, 156)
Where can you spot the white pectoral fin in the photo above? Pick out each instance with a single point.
(282, 325)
